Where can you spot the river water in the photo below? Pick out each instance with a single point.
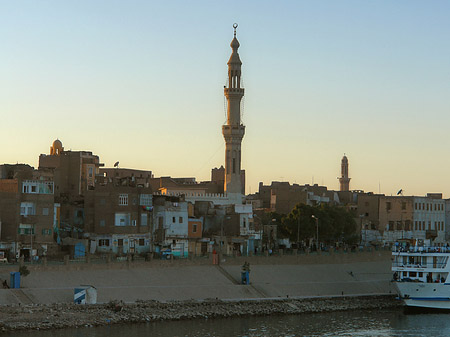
(361, 323)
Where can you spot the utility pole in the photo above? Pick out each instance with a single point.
(317, 229)
(31, 243)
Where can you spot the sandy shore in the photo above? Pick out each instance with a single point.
(58, 316)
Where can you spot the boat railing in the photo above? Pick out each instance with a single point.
(411, 265)
(421, 249)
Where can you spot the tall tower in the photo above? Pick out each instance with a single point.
(344, 180)
(233, 131)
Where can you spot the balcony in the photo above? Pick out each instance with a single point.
(431, 234)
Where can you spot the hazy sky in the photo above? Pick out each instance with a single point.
(141, 82)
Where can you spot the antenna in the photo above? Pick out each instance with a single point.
(235, 25)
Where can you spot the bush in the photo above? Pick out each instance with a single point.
(24, 271)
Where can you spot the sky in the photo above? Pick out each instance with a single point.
(141, 82)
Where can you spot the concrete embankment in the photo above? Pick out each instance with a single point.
(365, 273)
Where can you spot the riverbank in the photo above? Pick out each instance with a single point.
(67, 315)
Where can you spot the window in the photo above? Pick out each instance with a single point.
(133, 222)
(91, 172)
(388, 206)
(194, 228)
(180, 219)
(45, 211)
(415, 205)
(120, 242)
(412, 274)
(391, 226)
(122, 219)
(27, 208)
(403, 205)
(173, 219)
(102, 223)
(123, 199)
(141, 242)
(46, 232)
(102, 201)
(26, 229)
(143, 219)
(145, 200)
(103, 243)
(366, 203)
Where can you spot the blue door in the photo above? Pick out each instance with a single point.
(80, 250)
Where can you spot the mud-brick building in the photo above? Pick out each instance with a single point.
(118, 217)
(74, 173)
(28, 212)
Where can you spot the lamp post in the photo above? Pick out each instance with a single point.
(260, 231)
(317, 229)
(361, 216)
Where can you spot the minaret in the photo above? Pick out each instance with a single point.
(233, 131)
(344, 180)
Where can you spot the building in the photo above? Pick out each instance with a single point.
(74, 173)
(118, 217)
(368, 210)
(29, 215)
(138, 177)
(412, 217)
(171, 229)
(429, 218)
(281, 197)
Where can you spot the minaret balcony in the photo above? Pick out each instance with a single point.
(233, 91)
(233, 131)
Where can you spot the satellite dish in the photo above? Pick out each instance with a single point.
(400, 192)
(116, 164)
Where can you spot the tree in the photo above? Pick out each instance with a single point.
(336, 224)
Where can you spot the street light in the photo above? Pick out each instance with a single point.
(260, 231)
(361, 216)
(317, 229)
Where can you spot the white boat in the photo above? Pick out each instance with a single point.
(421, 275)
